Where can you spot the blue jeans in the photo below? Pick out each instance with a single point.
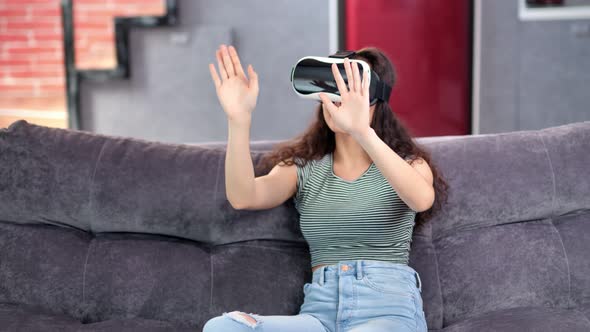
(351, 296)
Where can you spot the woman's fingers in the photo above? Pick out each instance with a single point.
(229, 66)
(214, 76)
(236, 61)
(357, 77)
(349, 75)
(367, 84)
(253, 79)
(339, 80)
(221, 66)
(328, 103)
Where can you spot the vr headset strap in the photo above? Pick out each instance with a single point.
(342, 54)
(383, 91)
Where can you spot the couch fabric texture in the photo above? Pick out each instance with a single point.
(110, 233)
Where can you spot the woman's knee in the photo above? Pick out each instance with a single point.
(216, 324)
(233, 321)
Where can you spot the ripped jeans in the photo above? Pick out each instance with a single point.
(351, 296)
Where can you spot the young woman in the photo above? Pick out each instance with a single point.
(360, 184)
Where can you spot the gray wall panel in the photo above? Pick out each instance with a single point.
(534, 74)
(554, 75)
(499, 70)
(170, 96)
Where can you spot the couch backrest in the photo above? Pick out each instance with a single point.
(100, 226)
(512, 233)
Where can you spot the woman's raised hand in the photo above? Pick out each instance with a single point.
(237, 94)
(353, 114)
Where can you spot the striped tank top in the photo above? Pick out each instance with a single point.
(349, 220)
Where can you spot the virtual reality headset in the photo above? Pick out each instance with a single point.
(312, 75)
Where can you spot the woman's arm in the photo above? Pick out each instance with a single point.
(237, 95)
(239, 169)
(413, 183)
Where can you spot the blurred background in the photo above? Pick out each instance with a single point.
(139, 68)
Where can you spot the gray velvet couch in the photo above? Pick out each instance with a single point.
(106, 233)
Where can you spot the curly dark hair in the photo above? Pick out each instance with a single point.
(318, 139)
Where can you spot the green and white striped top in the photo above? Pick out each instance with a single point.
(348, 220)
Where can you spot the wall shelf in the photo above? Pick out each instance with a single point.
(552, 13)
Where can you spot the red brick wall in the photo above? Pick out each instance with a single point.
(32, 75)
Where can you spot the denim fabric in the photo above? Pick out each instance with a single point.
(351, 296)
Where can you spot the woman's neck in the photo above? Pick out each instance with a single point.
(350, 153)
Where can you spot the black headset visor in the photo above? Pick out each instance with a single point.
(312, 75)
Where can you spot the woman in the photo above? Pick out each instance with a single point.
(360, 184)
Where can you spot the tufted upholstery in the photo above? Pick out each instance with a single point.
(114, 233)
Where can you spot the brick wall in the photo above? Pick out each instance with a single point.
(32, 75)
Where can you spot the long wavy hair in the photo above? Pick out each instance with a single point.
(318, 139)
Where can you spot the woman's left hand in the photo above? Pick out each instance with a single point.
(352, 115)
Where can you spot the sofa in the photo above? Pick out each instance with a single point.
(111, 233)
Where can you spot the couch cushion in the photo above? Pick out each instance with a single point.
(585, 309)
(500, 243)
(45, 174)
(43, 265)
(538, 319)
(132, 325)
(101, 183)
(423, 259)
(574, 230)
(19, 317)
(502, 267)
(33, 318)
(142, 275)
(262, 277)
(493, 180)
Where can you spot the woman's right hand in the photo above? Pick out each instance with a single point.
(237, 95)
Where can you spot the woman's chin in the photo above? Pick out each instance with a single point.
(339, 131)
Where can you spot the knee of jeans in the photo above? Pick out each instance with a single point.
(226, 322)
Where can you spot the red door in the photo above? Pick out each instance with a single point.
(429, 43)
